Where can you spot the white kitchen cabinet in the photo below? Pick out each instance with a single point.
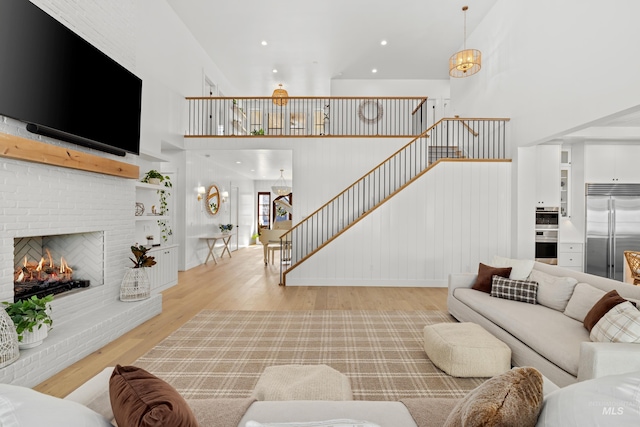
(570, 255)
(548, 176)
(164, 274)
(612, 164)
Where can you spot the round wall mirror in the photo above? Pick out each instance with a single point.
(213, 200)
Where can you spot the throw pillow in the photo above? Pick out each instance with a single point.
(510, 399)
(139, 398)
(620, 324)
(22, 406)
(520, 268)
(553, 291)
(485, 275)
(604, 304)
(515, 290)
(583, 298)
(605, 401)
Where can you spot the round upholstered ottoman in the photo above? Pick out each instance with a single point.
(466, 350)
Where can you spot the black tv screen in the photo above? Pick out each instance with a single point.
(62, 86)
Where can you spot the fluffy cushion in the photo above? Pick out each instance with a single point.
(583, 298)
(485, 275)
(604, 304)
(141, 399)
(510, 399)
(606, 401)
(515, 290)
(22, 406)
(520, 268)
(620, 324)
(553, 291)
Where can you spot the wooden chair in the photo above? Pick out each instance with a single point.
(633, 261)
(270, 240)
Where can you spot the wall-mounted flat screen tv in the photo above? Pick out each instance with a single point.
(62, 86)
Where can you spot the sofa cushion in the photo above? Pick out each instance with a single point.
(553, 291)
(509, 399)
(600, 308)
(485, 275)
(22, 406)
(520, 268)
(584, 297)
(139, 398)
(620, 324)
(516, 290)
(605, 401)
(548, 332)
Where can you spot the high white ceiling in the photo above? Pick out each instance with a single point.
(310, 43)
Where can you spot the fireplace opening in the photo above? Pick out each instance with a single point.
(42, 267)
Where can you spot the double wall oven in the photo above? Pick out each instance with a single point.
(547, 221)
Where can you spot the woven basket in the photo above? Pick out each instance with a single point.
(9, 351)
(633, 259)
(135, 285)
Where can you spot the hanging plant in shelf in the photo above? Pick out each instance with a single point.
(165, 228)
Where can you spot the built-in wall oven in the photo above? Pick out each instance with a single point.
(547, 235)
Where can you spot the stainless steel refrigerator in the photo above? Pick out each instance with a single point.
(612, 227)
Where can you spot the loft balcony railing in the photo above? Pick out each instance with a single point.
(298, 116)
(449, 138)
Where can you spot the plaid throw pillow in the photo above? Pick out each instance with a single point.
(620, 324)
(515, 290)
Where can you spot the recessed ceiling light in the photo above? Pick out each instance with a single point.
(238, 162)
(374, 70)
(275, 71)
(264, 42)
(383, 42)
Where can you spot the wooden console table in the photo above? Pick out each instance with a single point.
(211, 243)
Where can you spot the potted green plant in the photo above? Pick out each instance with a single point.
(226, 228)
(153, 177)
(135, 283)
(32, 319)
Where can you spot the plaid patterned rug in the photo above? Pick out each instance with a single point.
(223, 353)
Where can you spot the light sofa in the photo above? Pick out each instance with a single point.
(542, 337)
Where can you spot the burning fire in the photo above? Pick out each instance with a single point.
(44, 270)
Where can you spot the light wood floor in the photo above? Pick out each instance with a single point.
(239, 283)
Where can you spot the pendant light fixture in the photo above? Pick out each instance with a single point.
(467, 62)
(280, 187)
(280, 96)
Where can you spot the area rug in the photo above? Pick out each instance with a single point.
(223, 353)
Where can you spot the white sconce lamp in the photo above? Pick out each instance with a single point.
(225, 196)
(201, 192)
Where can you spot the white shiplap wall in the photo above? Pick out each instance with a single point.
(455, 216)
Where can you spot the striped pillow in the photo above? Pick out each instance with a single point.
(515, 290)
(620, 324)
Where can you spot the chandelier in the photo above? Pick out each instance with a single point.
(280, 96)
(280, 187)
(467, 62)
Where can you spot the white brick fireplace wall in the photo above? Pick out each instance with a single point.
(42, 200)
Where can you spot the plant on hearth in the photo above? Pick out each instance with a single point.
(30, 314)
(141, 257)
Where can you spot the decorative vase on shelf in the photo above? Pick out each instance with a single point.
(155, 181)
(135, 285)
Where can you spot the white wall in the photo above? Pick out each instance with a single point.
(552, 66)
(448, 221)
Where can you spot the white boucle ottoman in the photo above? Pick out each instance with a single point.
(466, 350)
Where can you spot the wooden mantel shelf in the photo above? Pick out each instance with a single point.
(16, 147)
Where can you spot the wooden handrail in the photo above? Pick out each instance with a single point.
(415, 110)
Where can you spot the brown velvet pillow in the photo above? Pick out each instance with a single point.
(602, 307)
(485, 275)
(140, 399)
(510, 399)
